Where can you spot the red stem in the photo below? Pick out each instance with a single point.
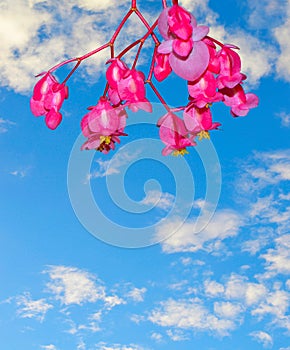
(117, 32)
(71, 72)
(164, 4)
(80, 59)
(146, 24)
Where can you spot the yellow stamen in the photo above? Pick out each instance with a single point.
(105, 139)
(180, 152)
(203, 135)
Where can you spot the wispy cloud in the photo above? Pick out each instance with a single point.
(5, 124)
(224, 224)
(106, 346)
(74, 286)
(285, 119)
(159, 200)
(29, 308)
(262, 337)
(136, 294)
(107, 168)
(21, 173)
(49, 347)
(190, 314)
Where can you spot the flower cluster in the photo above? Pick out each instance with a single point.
(211, 69)
(212, 76)
(47, 99)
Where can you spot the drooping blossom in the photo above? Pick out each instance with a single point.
(47, 99)
(239, 101)
(162, 66)
(174, 134)
(127, 86)
(230, 67)
(188, 53)
(203, 91)
(198, 121)
(102, 126)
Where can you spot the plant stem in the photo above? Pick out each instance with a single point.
(72, 71)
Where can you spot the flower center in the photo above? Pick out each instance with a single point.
(203, 135)
(180, 152)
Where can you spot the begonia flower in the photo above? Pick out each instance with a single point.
(174, 134)
(127, 86)
(239, 102)
(198, 121)
(204, 90)
(102, 126)
(162, 66)
(188, 54)
(230, 67)
(47, 99)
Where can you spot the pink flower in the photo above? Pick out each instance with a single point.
(188, 54)
(102, 126)
(204, 90)
(132, 89)
(214, 63)
(239, 102)
(230, 68)
(198, 121)
(174, 134)
(127, 85)
(162, 67)
(47, 99)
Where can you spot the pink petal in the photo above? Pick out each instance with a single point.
(53, 119)
(252, 100)
(199, 33)
(182, 48)
(195, 65)
(37, 107)
(163, 23)
(165, 47)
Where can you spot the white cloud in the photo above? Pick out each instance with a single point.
(19, 173)
(156, 337)
(285, 119)
(112, 301)
(159, 199)
(213, 288)
(5, 124)
(262, 337)
(49, 347)
(29, 308)
(276, 304)
(108, 167)
(282, 34)
(176, 335)
(105, 346)
(189, 314)
(238, 288)
(224, 224)
(137, 294)
(278, 259)
(74, 286)
(228, 310)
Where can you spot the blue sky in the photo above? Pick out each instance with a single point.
(68, 277)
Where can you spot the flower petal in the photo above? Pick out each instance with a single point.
(199, 33)
(165, 47)
(195, 65)
(163, 23)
